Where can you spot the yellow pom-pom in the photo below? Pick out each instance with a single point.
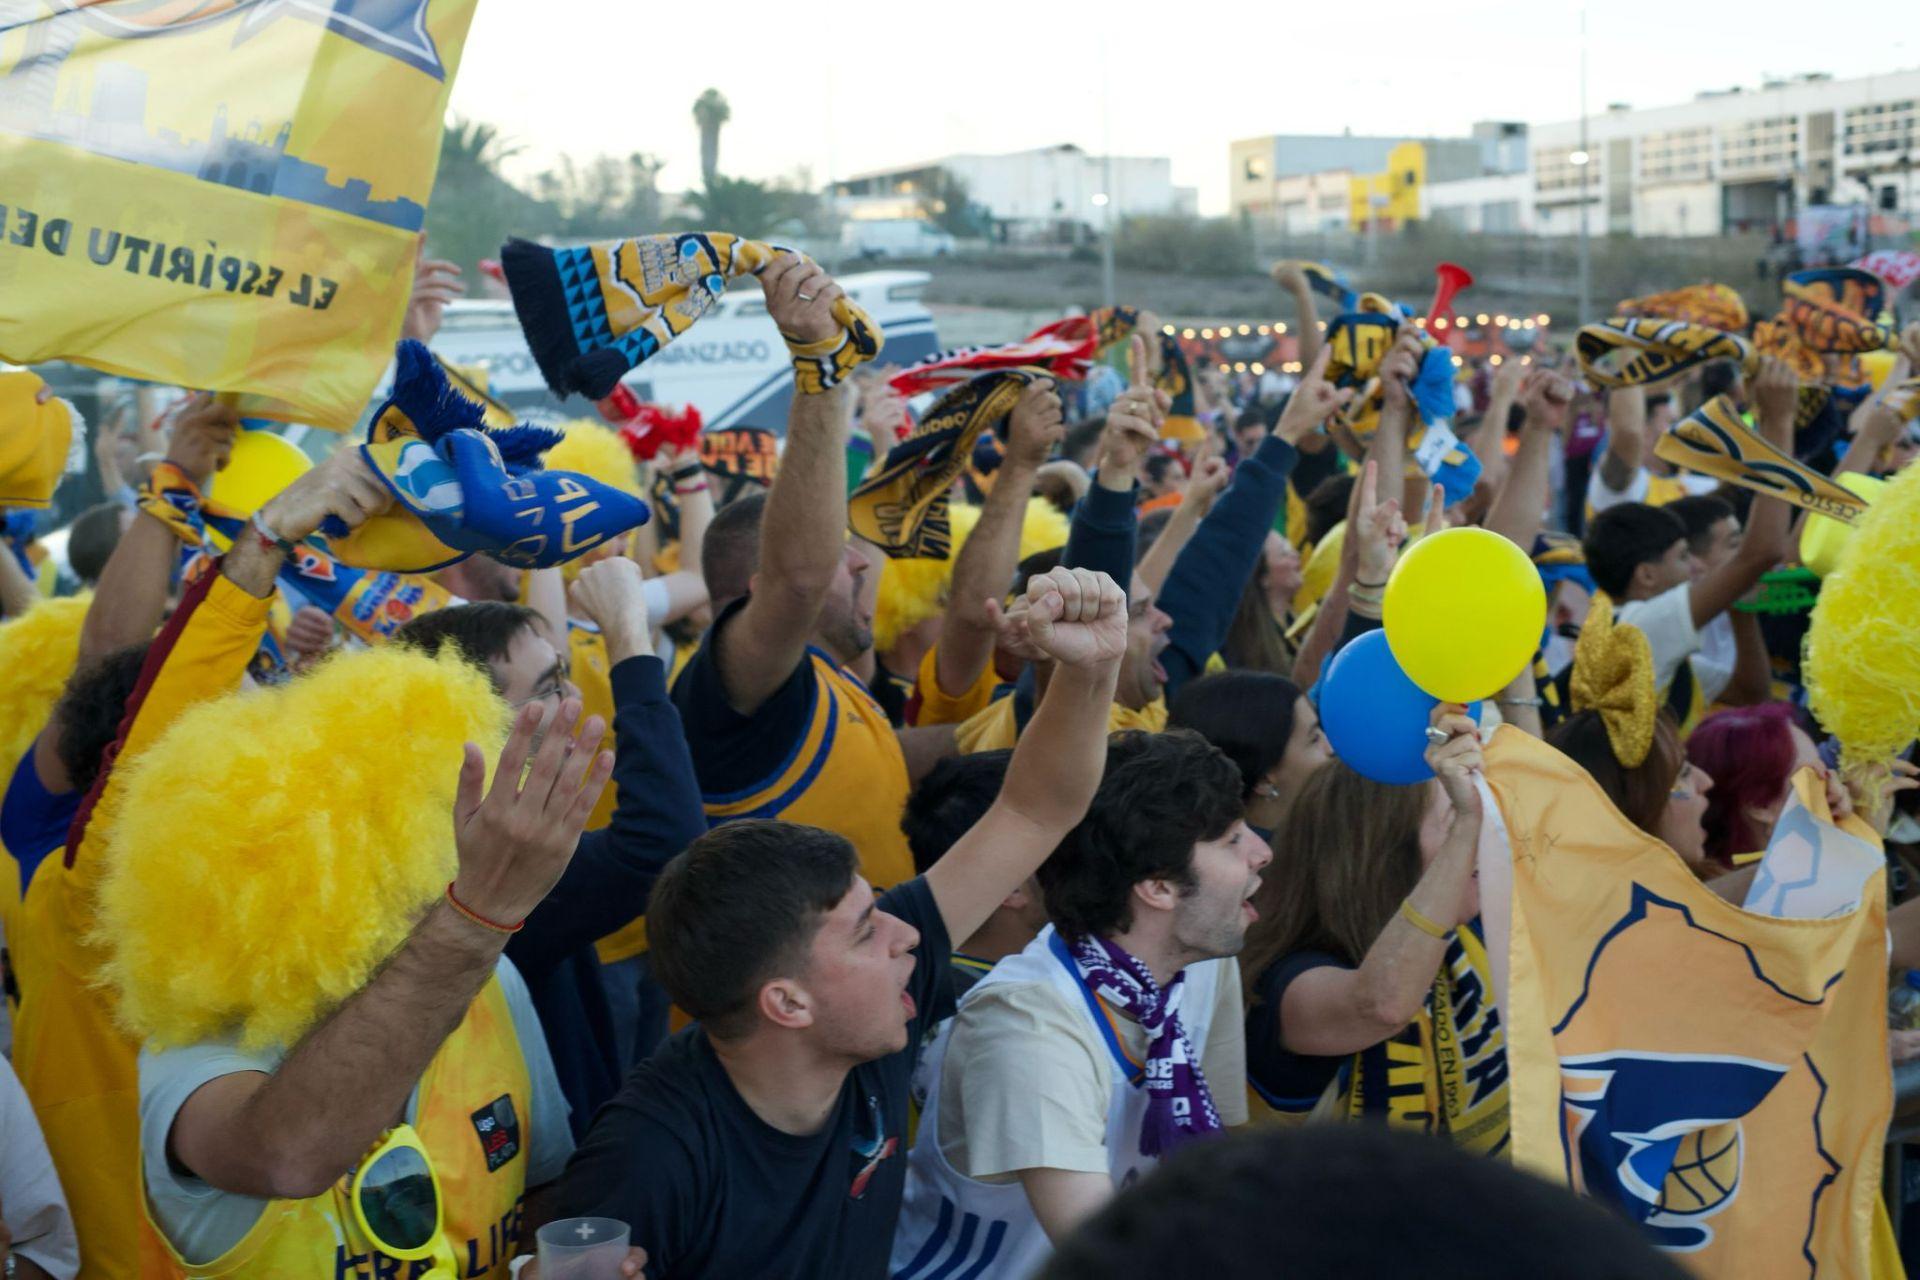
(281, 842)
(38, 651)
(596, 450)
(914, 589)
(1862, 660)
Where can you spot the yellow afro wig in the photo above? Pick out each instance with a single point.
(915, 589)
(1862, 659)
(38, 651)
(596, 450)
(279, 844)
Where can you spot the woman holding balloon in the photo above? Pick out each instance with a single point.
(1367, 955)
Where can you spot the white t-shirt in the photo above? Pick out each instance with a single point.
(1601, 495)
(1667, 622)
(30, 1195)
(1047, 1104)
(203, 1222)
(1713, 665)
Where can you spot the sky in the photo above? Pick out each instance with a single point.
(873, 86)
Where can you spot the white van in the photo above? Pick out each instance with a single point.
(894, 238)
(732, 365)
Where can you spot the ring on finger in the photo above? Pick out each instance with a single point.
(804, 297)
(1437, 736)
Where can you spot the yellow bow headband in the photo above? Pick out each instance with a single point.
(1613, 675)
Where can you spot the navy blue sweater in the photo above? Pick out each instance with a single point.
(608, 883)
(1203, 588)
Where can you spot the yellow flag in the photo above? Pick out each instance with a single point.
(1718, 1074)
(221, 194)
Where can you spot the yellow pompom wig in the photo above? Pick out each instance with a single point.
(914, 589)
(38, 651)
(596, 450)
(274, 846)
(1862, 658)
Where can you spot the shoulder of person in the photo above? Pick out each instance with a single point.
(1017, 1011)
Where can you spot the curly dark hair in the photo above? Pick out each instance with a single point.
(1161, 794)
(89, 713)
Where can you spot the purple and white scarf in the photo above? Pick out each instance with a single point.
(1179, 1104)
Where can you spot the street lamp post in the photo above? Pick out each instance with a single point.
(1104, 203)
(1583, 160)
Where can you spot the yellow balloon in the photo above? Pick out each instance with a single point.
(1317, 578)
(1463, 613)
(1822, 538)
(262, 465)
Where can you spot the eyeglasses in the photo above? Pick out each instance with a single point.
(396, 1202)
(1683, 785)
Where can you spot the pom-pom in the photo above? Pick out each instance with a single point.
(591, 449)
(38, 651)
(913, 589)
(1862, 659)
(320, 815)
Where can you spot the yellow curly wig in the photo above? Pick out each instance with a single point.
(38, 651)
(915, 589)
(594, 449)
(274, 846)
(1862, 657)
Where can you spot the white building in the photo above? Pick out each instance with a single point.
(1734, 160)
(1497, 204)
(1044, 194)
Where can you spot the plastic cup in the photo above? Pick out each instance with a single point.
(582, 1249)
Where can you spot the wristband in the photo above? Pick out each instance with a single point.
(691, 488)
(271, 540)
(479, 919)
(687, 472)
(1518, 702)
(1369, 586)
(1412, 916)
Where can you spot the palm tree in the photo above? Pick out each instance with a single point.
(710, 111)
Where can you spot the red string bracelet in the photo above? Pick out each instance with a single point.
(479, 919)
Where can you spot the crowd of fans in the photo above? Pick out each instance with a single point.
(816, 912)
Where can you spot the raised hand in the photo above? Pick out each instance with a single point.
(516, 837)
(200, 436)
(1456, 759)
(1379, 531)
(1547, 396)
(1076, 617)
(800, 298)
(1776, 392)
(612, 594)
(1287, 274)
(436, 282)
(342, 486)
(1208, 477)
(1312, 402)
(1133, 421)
(1037, 424)
(1401, 365)
(309, 633)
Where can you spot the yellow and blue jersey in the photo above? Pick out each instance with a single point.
(819, 751)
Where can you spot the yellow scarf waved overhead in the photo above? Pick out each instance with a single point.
(1719, 1075)
(221, 195)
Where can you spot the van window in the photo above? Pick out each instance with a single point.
(906, 292)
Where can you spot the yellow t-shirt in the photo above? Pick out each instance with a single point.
(995, 728)
(931, 705)
(77, 1066)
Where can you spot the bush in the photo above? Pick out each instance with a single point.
(1189, 246)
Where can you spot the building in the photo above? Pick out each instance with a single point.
(1498, 204)
(1048, 194)
(1382, 176)
(1734, 160)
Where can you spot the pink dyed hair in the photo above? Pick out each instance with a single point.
(1747, 751)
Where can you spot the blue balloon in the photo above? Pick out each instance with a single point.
(1375, 718)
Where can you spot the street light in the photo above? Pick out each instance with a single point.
(1105, 205)
(1577, 158)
